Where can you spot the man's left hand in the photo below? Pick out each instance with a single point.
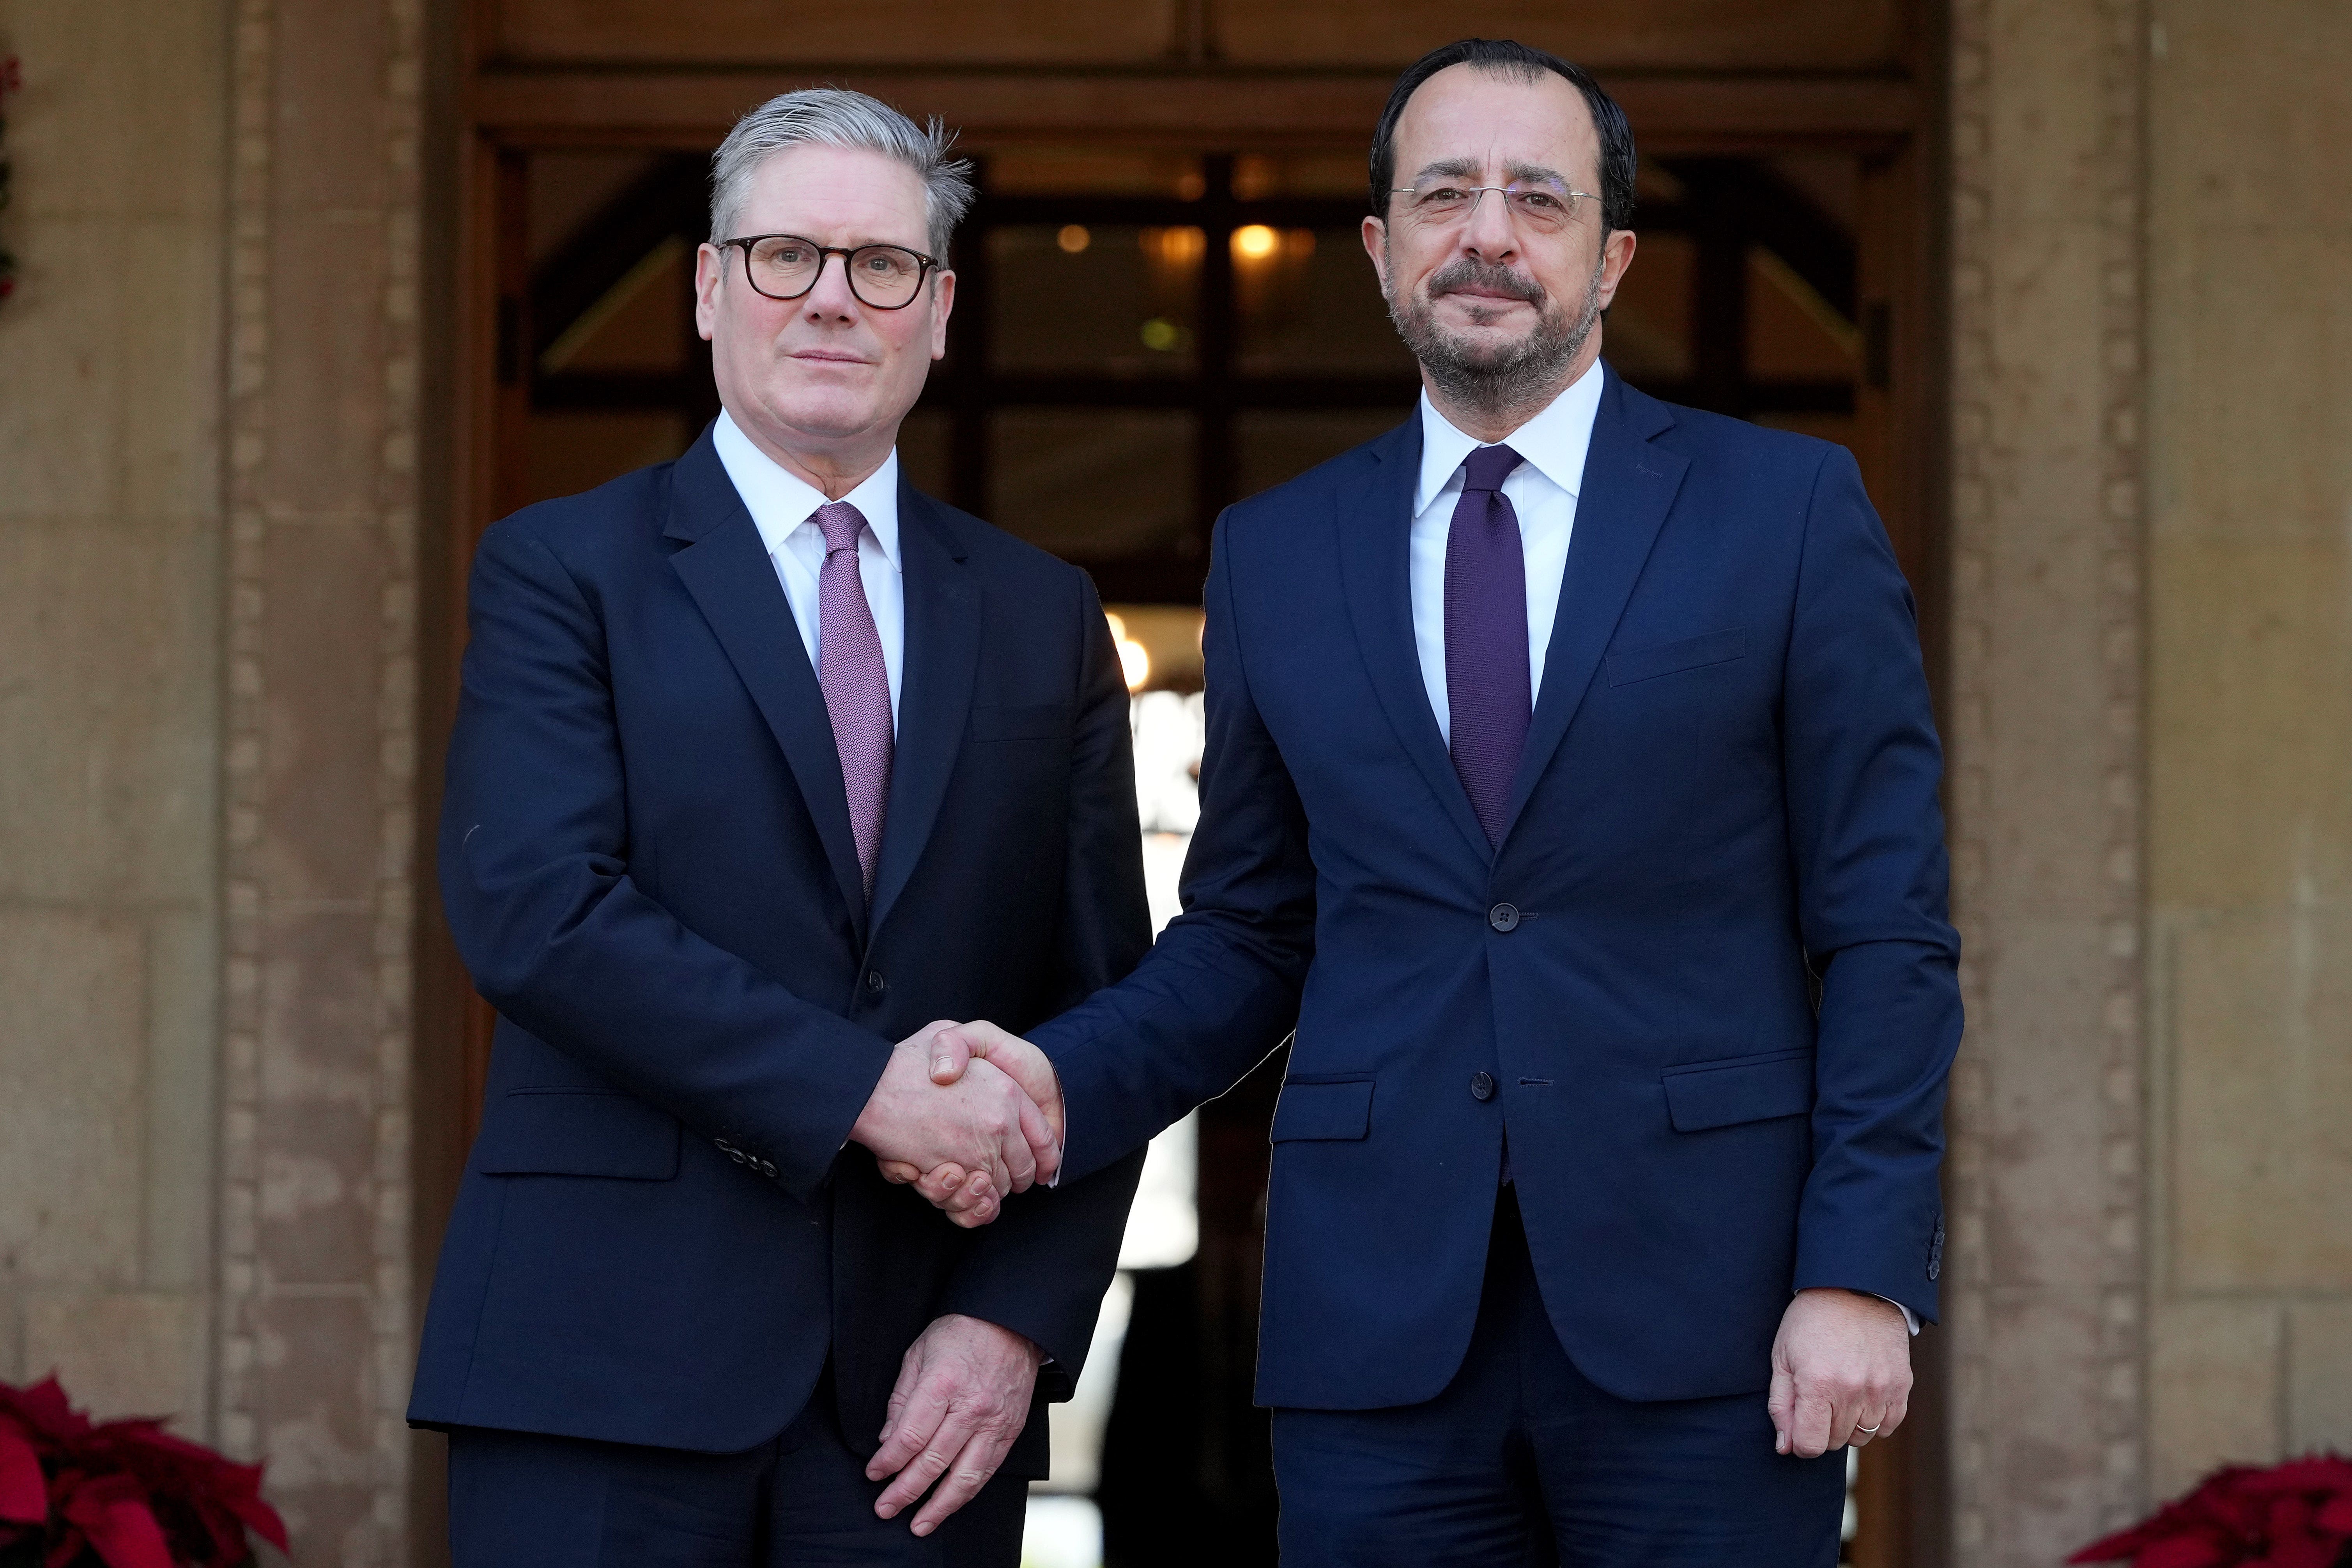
(962, 1397)
(1842, 1362)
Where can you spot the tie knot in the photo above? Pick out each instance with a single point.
(1487, 468)
(841, 523)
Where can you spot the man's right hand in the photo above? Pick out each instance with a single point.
(980, 1122)
(968, 1196)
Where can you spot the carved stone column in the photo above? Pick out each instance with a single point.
(2048, 1277)
(319, 749)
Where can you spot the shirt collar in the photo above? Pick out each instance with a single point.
(781, 502)
(1553, 442)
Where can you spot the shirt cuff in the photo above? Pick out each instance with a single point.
(1910, 1318)
(1065, 1124)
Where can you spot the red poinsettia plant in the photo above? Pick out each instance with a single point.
(2295, 1515)
(75, 1493)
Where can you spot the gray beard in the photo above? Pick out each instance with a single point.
(1503, 385)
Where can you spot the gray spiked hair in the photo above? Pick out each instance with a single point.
(837, 117)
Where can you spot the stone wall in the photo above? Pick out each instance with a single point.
(209, 602)
(110, 544)
(2152, 753)
(2250, 731)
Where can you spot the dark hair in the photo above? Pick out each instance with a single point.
(1502, 57)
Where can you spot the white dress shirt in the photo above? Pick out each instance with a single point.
(1542, 491)
(783, 506)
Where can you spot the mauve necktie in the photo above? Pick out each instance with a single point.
(856, 683)
(1487, 687)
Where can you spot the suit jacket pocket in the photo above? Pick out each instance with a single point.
(1323, 1106)
(1671, 658)
(1022, 722)
(1740, 1088)
(577, 1132)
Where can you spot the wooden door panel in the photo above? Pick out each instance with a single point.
(761, 32)
(1603, 34)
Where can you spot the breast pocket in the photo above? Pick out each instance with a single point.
(577, 1132)
(1021, 721)
(1674, 658)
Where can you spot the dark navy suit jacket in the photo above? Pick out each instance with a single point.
(647, 862)
(1705, 986)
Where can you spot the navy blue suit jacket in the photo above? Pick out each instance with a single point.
(1706, 985)
(646, 862)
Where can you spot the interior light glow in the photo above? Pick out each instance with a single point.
(1255, 242)
(1181, 245)
(1134, 658)
(1074, 238)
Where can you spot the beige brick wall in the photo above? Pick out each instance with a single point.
(2250, 750)
(111, 546)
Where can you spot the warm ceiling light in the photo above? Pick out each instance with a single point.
(1255, 242)
(1074, 238)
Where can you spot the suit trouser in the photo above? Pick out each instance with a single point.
(1523, 1462)
(519, 1500)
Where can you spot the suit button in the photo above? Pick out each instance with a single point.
(1503, 917)
(875, 982)
(1483, 1087)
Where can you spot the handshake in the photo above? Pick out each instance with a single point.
(967, 1114)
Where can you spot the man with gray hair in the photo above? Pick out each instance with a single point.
(765, 761)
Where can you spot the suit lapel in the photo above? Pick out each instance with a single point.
(725, 566)
(1375, 522)
(941, 657)
(1628, 485)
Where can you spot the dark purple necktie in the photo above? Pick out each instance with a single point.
(1487, 687)
(855, 682)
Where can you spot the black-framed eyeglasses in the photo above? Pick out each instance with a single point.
(785, 266)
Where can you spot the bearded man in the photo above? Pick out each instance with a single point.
(1571, 787)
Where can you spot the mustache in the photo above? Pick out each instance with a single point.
(1474, 272)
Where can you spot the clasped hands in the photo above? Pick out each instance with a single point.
(967, 1114)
